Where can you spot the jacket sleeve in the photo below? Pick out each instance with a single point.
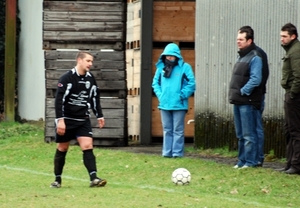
(60, 96)
(295, 65)
(255, 76)
(156, 85)
(95, 100)
(189, 84)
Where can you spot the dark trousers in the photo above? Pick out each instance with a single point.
(292, 130)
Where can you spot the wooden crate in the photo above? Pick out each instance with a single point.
(133, 26)
(133, 71)
(133, 113)
(174, 21)
(156, 119)
(83, 23)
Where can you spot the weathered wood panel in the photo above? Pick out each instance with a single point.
(133, 31)
(47, 45)
(133, 68)
(83, 26)
(83, 6)
(83, 36)
(98, 55)
(83, 16)
(83, 21)
(173, 21)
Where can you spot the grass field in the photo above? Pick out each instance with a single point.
(134, 180)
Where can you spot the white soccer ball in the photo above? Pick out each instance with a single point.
(181, 176)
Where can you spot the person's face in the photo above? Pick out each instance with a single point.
(241, 41)
(285, 38)
(86, 63)
(171, 58)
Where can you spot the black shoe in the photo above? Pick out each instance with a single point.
(292, 171)
(98, 182)
(282, 169)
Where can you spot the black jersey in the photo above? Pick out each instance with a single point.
(76, 94)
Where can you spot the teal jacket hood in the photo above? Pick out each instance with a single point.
(173, 50)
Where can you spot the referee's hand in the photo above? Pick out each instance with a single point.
(101, 122)
(61, 127)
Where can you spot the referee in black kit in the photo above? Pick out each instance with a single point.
(77, 92)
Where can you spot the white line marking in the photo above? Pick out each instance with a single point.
(141, 187)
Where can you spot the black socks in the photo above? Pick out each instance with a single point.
(59, 162)
(89, 161)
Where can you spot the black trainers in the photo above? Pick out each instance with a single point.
(98, 182)
(55, 184)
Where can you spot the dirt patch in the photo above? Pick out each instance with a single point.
(156, 149)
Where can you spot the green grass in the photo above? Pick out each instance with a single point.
(134, 180)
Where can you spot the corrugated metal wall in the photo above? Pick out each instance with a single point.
(217, 22)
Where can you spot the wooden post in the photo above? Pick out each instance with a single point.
(146, 72)
(10, 60)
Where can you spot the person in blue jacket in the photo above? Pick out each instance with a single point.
(173, 84)
(246, 93)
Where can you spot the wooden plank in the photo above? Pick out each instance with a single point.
(103, 85)
(83, 16)
(111, 103)
(133, 22)
(66, 64)
(111, 142)
(99, 75)
(133, 114)
(83, 46)
(156, 119)
(111, 55)
(97, 132)
(108, 113)
(83, 6)
(182, 16)
(84, 26)
(109, 122)
(133, 68)
(82, 36)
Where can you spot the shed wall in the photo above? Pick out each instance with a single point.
(217, 22)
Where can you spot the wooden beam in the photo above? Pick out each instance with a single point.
(146, 72)
(10, 60)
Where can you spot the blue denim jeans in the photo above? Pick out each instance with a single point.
(260, 133)
(173, 132)
(245, 128)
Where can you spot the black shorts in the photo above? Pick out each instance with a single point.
(75, 129)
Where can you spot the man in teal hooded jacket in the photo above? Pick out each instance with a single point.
(173, 84)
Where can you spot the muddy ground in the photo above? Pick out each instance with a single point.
(156, 150)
